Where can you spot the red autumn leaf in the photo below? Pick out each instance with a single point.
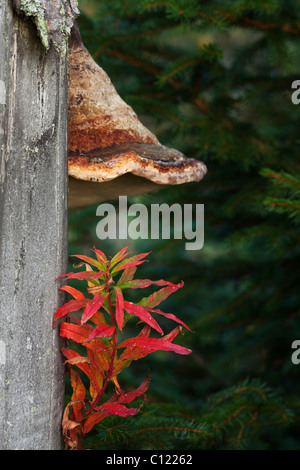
(143, 283)
(119, 307)
(76, 333)
(107, 409)
(154, 344)
(78, 394)
(116, 409)
(91, 261)
(71, 429)
(74, 319)
(93, 419)
(135, 352)
(80, 334)
(143, 314)
(99, 274)
(145, 331)
(168, 315)
(93, 306)
(127, 275)
(74, 292)
(98, 345)
(77, 360)
(83, 275)
(90, 280)
(119, 256)
(77, 386)
(132, 353)
(130, 396)
(170, 336)
(92, 372)
(96, 289)
(133, 261)
(101, 256)
(159, 296)
(127, 265)
(121, 364)
(72, 306)
(100, 361)
(98, 376)
(101, 331)
(98, 319)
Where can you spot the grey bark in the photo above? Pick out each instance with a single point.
(33, 234)
(53, 19)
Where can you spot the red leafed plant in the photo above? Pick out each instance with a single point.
(99, 330)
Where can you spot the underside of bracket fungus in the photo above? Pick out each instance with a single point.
(111, 153)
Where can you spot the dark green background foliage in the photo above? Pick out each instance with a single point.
(213, 79)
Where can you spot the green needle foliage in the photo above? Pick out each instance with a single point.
(213, 79)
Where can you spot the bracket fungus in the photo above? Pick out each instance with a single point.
(111, 153)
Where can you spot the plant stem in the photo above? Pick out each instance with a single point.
(114, 341)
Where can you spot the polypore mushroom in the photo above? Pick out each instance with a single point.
(111, 152)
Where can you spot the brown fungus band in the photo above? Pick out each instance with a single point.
(107, 142)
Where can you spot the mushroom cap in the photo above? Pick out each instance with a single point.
(107, 142)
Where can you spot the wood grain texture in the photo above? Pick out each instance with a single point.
(53, 19)
(33, 241)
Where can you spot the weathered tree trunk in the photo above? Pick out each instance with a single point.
(33, 233)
